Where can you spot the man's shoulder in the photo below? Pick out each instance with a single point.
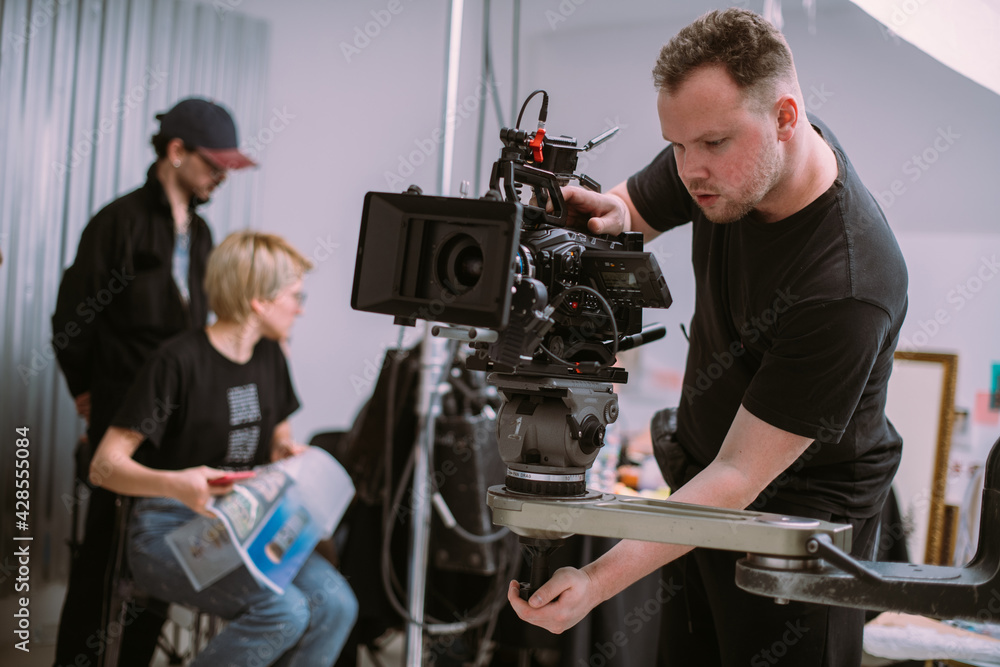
(865, 249)
(128, 205)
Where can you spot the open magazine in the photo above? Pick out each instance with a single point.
(270, 522)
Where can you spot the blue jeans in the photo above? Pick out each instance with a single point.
(307, 626)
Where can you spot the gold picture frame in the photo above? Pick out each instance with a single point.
(921, 405)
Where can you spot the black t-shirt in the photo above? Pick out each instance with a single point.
(199, 408)
(796, 320)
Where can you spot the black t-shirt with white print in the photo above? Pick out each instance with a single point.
(198, 407)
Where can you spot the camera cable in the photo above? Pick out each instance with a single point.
(604, 306)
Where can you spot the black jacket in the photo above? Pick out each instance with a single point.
(118, 301)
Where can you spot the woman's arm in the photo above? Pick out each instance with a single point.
(283, 444)
(114, 469)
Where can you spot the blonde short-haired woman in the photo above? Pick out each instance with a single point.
(218, 400)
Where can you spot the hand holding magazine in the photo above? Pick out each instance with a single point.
(270, 522)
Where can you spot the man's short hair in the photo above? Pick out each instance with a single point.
(752, 50)
(160, 142)
(250, 265)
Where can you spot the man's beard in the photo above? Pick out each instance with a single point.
(762, 181)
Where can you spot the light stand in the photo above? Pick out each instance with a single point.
(435, 359)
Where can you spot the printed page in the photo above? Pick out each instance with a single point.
(205, 551)
(270, 523)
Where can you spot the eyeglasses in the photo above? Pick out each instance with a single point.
(216, 171)
(299, 296)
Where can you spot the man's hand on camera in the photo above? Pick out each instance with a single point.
(596, 212)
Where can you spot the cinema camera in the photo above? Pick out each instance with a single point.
(546, 309)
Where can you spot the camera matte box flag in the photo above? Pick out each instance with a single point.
(472, 244)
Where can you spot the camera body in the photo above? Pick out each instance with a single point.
(574, 296)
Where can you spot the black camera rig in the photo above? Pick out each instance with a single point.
(546, 307)
(561, 302)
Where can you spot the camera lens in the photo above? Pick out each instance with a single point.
(524, 266)
(460, 264)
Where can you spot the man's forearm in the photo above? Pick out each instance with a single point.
(718, 485)
(627, 562)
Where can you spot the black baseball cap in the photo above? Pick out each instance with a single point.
(207, 127)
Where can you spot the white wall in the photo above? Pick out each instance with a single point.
(356, 121)
(350, 116)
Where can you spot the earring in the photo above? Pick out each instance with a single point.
(177, 164)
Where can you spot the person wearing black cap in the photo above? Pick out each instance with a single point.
(136, 282)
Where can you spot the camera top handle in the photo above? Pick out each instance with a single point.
(544, 163)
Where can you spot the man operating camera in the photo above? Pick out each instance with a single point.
(800, 283)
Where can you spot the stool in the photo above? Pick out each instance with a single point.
(82, 455)
(187, 630)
